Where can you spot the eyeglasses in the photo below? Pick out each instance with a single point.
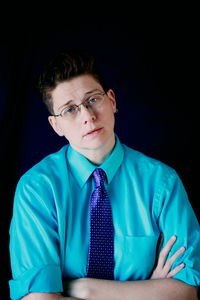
(71, 111)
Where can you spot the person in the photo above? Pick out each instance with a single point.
(49, 231)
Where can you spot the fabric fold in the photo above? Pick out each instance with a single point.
(33, 281)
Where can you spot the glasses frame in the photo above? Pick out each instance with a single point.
(84, 103)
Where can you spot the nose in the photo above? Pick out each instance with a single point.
(87, 114)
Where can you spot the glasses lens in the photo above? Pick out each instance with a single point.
(94, 102)
(69, 111)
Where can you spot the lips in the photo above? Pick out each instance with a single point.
(92, 131)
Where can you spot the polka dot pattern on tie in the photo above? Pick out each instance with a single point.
(101, 248)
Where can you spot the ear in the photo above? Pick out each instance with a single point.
(55, 125)
(111, 96)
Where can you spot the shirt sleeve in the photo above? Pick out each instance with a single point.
(34, 240)
(177, 217)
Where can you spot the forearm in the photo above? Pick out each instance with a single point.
(47, 296)
(169, 289)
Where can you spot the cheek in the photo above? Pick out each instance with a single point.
(71, 132)
(110, 118)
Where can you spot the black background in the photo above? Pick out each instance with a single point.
(153, 73)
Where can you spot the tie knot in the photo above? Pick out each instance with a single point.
(99, 177)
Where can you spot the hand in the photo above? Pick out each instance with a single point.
(79, 288)
(163, 267)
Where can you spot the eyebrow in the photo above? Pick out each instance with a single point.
(87, 93)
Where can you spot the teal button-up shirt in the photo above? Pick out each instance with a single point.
(49, 233)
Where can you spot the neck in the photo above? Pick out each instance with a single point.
(97, 159)
(98, 156)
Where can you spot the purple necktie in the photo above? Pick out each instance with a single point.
(101, 248)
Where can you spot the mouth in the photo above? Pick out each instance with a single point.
(93, 132)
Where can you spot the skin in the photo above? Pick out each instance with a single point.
(93, 289)
(96, 146)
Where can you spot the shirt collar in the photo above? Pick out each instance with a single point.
(82, 168)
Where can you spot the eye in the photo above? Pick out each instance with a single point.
(92, 100)
(69, 110)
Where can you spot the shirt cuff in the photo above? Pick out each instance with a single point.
(47, 279)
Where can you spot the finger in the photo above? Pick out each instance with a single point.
(171, 260)
(165, 251)
(164, 272)
(175, 270)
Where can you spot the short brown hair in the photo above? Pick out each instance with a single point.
(65, 66)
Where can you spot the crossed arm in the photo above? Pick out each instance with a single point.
(161, 285)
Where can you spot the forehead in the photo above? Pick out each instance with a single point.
(75, 88)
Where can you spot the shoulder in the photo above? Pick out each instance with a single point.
(50, 166)
(153, 175)
(146, 164)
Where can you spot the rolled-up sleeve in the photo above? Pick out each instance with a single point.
(177, 217)
(44, 280)
(34, 240)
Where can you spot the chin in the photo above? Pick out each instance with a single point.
(93, 146)
(97, 144)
